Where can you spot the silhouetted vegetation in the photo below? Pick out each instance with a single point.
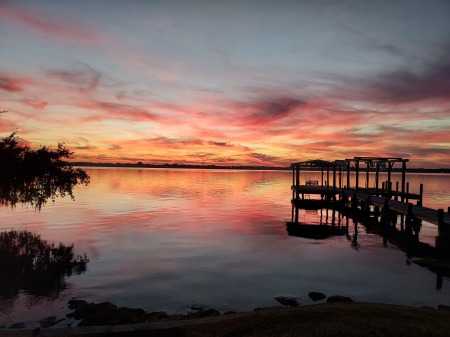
(184, 166)
(33, 265)
(34, 176)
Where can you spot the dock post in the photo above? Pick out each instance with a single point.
(403, 179)
(367, 175)
(293, 210)
(348, 174)
(407, 192)
(354, 202)
(384, 214)
(440, 217)
(328, 177)
(322, 176)
(334, 178)
(389, 177)
(396, 190)
(421, 194)
(409, 225)
(293, 181)
(344, 200)
(377, 176)
(357, 174)
(367, 210)
(442, 241)
(355, 233)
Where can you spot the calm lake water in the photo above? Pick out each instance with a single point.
(168, 239)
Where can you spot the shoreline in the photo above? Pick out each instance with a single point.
(325, 319)
(234, 167)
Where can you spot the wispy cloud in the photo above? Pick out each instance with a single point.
(37, 104)
(406, 86)
(60, 28)
(83, 77)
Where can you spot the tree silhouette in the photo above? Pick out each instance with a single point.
(34, 176)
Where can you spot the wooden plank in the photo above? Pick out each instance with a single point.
(423, 213)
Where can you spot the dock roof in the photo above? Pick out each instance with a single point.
(317, 162)
(378, 159)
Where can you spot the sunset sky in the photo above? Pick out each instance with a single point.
(229, 82)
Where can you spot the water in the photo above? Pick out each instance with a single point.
(168, 239)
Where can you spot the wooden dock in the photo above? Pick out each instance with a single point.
(392, 212)
(384, 198)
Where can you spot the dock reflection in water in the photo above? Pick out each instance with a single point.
(324, 223)
(319, 224)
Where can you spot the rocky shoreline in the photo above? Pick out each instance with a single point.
(107, 314)
(315, 320)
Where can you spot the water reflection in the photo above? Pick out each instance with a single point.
(317, 224)
(38, 190)
(33, 265)
(167, 239)
(389, 227)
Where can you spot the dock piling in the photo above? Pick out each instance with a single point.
(440, 217)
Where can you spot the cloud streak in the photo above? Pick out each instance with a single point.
(51, 27)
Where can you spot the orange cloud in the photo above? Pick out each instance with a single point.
(104, 119)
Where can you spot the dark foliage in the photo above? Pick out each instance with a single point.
(33, 265)
(34, 176)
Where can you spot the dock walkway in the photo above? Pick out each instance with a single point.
(433, 216)
(373, 197)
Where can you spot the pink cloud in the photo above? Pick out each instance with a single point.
(212, 128)
(7, 125)
(108, 110)
(39, 105)
(53, 27)
(11, 84)
(267, 111)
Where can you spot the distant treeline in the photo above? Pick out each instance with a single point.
(236, 167)
(180, 166)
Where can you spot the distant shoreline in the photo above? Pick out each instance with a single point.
(184, 166)
(236, 167)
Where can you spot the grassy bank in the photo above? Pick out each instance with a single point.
(344, 319)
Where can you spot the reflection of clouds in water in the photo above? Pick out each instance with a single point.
(165, 240)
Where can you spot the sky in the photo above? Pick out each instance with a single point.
(228, 82)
